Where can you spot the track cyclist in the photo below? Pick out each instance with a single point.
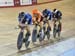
(37, 21)
(24, 19)
(47, 19)
(57, 15)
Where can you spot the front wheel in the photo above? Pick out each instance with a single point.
(41, 35)
(20, 40)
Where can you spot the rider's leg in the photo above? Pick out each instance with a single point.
(41, 33)
(35, 34)
(28, 32)
(27, 37)
(59, 18)
(48, 28)
(21, 31)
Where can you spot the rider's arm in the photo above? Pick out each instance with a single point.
(39, 16)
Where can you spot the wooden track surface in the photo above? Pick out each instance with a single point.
(8, 22)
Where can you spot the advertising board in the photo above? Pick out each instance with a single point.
(25, 2)
(6, 2)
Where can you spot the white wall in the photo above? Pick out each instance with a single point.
(25, 2)
(6, 2)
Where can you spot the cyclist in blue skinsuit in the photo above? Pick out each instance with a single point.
(47, 17)
(25, 19)
(47, 14)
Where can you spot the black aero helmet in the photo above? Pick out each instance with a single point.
(54, 9)
(22, 14)
(45, 9)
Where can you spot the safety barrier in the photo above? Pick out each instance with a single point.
(18, 3)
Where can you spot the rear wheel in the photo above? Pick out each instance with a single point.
(48, 32)
(27, 41)
(34, 34)
(44, 28)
